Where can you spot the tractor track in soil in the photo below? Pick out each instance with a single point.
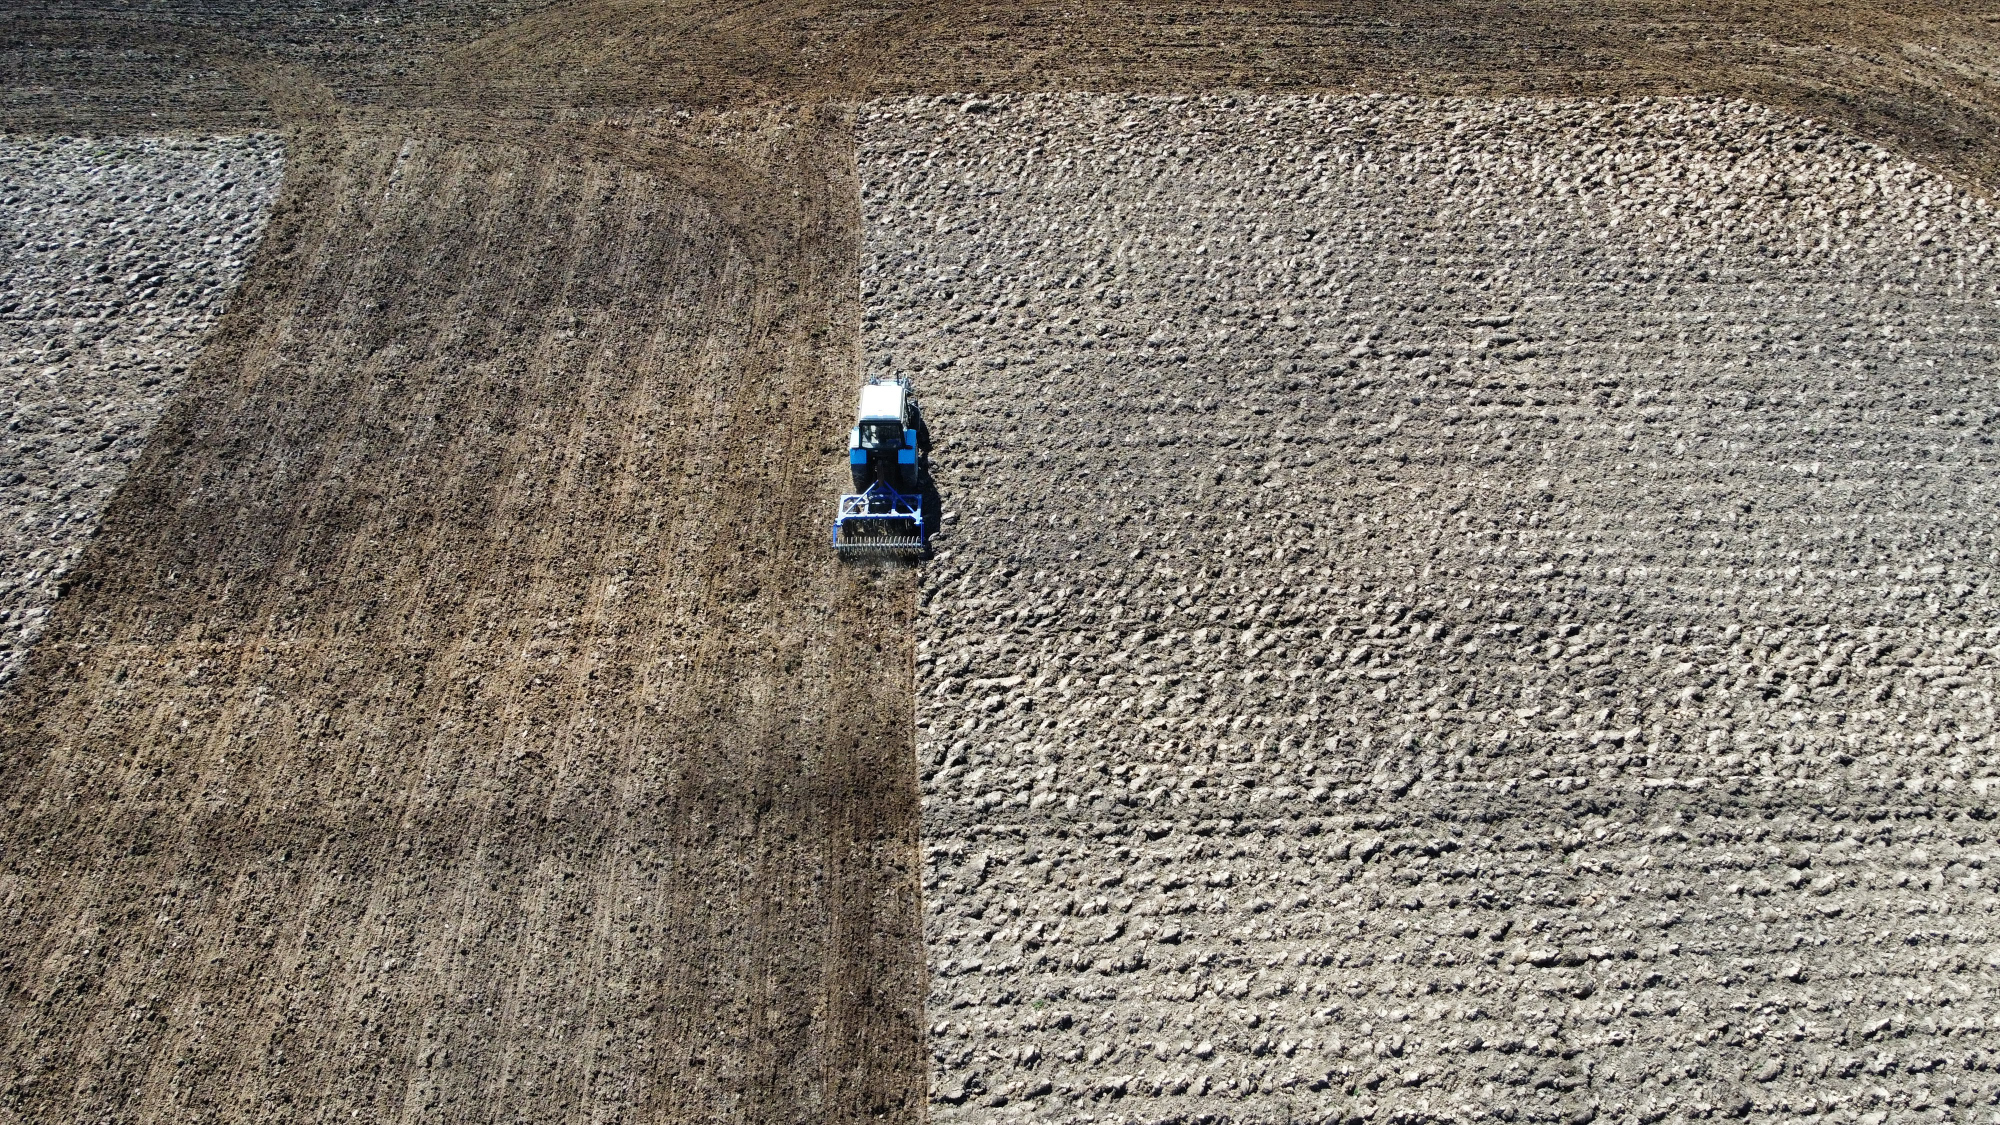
(458, 716)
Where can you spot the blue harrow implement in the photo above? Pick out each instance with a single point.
(880, 521)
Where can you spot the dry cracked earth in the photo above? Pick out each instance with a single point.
(1450, 610)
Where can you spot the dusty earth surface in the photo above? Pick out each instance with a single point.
(1453, 610)
(119, 257)
(457, 716)
(417, 741)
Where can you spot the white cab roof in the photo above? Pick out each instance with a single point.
(881, 402)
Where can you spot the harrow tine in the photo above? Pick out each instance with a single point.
(852, 542)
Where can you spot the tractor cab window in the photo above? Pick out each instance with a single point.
(881, 435)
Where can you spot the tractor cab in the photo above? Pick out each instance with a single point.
(878, 435)
(883, 444)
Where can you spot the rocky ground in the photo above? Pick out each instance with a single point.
(1449, 610)
(120, 253)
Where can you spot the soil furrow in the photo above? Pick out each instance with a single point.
(496, 764)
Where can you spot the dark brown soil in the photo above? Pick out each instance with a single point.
(1918, 78)
(459, 716)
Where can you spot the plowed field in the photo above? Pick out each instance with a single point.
(1490, 609)
(439, 726)
(457, 715)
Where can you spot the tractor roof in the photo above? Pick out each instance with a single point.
(881, 402)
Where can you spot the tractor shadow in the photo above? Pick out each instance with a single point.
(931, 504)
(930, 496)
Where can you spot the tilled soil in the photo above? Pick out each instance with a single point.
(120, 255)
(427, 737)
(260, 777)
(1917, 77)
(1452, 609)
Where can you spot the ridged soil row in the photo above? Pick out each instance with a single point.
(459, 714)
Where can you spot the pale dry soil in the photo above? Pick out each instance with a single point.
(120, 252)
(1449, 610)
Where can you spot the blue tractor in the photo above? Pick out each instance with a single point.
(886, 454)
